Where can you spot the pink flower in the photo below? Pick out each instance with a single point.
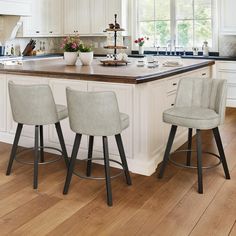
(74, 45)
(136, 41)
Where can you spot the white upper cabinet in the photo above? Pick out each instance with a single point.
(98, 16)
(86, 17)
(227, 17)
(46, 19)
(66, 17)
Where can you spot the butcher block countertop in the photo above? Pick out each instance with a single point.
(130, 74)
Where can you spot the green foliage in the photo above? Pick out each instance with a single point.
(85, 48)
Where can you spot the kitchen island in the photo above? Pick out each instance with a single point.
(143, 93)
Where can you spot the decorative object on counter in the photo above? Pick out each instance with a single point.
(172, 64)
(141, 42)
(70, 45)
(29, 48)
(205, 49)
(118, 40)
(195, 51)
(2, 50)
(85, 55)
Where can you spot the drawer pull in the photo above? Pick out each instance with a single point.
(50, 32)
(172, 104)
(203, 74)
(174, 84)
(37, 32)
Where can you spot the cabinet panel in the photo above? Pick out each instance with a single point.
(3, 108)
(227, 17)
(98, 16)
(125, 100)
(59, 91)
(83, 14)
(55, 17)
(45, 20)
(70, 16)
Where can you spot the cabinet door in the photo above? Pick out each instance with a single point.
(83, 17)
(70, 17)
(227, 17)
(124, 95)
(98, 16)
(36, 25)
(55, 17)
(59, 91)
(3, 102)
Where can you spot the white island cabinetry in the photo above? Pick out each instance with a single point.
(144, 140)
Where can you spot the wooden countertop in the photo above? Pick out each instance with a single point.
(130, 74)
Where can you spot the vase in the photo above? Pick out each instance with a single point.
(70, 58)
(141, 50)
(86, 58)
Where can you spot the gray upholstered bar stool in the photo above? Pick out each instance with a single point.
(96, 114)
(200, 104)
(35, 105)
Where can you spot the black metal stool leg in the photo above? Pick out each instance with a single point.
(62, 143)
(123, 158)
(41, 144)
(72, 162)
(36, 156)
(14, 148)
(168, 149)
(90, 155)
(190, 133)
(221, 152)
(107, 170)
(199, 161)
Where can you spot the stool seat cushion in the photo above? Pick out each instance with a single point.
(192, 117)
(62, 111)
(124, 121)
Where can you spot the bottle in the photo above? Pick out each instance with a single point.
(12, 50)
(205, 49)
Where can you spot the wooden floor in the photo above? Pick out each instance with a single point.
(150, 206)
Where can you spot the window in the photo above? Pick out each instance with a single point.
(185, 23)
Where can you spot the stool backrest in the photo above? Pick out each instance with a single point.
(32, 104)
(205, 93)
(93, 113)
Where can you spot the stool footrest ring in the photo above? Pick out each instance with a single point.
(195, 167)
(40, 163)
(99, 178)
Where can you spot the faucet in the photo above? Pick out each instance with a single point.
(169, 46)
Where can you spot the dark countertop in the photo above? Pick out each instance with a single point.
(218, 58)
(130, 74)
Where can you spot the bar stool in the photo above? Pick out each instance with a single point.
(96, 114)
(35, 105)
(200, 104)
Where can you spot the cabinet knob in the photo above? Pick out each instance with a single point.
(203, 74)
(172, 104)
(37, 32)
(50, 32)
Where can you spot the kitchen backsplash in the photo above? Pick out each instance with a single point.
(52, 45)
(227, 45)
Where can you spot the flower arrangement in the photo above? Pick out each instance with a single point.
(141, 41)
(71, 43)
(84, 48)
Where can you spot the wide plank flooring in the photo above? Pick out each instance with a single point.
(170, 206)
